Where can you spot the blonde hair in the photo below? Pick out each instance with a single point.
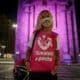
(41, 15)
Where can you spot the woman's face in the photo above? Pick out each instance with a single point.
(46, 20)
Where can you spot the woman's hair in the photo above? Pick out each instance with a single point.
(40, 17)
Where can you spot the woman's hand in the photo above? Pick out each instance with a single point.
(53, 72)
(27, 63)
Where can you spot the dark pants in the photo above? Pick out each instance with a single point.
(42, 76)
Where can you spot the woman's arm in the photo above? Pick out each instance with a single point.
(28, 54)
(57, 57)
(57, 52)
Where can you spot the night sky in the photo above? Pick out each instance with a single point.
(9, 8)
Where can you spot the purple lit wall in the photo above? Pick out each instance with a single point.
(63, 25)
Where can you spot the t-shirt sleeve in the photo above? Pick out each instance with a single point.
(31, 41)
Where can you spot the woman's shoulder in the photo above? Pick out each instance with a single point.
(34, 31)
(54, 33)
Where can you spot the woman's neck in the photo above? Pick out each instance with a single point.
(46, 29)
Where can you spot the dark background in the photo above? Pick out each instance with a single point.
(8, 14)
(9, 8)
(77, 7)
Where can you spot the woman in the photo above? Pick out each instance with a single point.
(42, 57)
